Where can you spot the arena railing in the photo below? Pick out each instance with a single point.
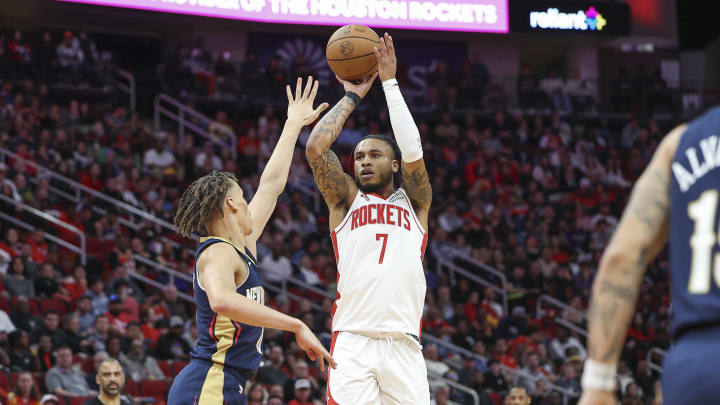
(650, 358)
(444, 259)
(80, 249)
(81, 188)
(456, 385)
(540, 312)
(189, 119)
(123, 80)
(515, 373)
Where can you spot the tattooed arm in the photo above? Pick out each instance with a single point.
(335, 185)
(417, 185)
(639, 238)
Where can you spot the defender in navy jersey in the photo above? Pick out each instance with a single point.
(228, 289)
(677, 195)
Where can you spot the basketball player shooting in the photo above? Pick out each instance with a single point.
(676, 198)
(379, 237)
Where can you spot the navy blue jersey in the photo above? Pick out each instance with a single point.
(694, 225)
(222, 340)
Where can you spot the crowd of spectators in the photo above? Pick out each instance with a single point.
(534, 196)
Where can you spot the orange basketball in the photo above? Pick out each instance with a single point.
(350, 54)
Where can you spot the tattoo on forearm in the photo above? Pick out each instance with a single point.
(329, 174)
(651, 200)
(417, 185)
(329, 127)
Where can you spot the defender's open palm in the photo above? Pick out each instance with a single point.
(307, 341)
(387, 62)
(300, 107)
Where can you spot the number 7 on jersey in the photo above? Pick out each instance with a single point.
(384, 237)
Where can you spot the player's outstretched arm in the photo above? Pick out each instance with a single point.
(216, 276)
(407, 135)
(334, 184)
(639, 238)
(274, 177)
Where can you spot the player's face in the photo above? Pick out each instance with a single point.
(375, 164)
(110, 378)
(517, 396)
(242, 215)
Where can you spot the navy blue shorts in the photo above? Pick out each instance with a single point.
(690, 370)
(203, 382)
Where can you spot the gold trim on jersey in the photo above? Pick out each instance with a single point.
(204, 238)
(212, 389)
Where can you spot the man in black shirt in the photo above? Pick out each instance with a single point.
(51, 323)
(111, 380)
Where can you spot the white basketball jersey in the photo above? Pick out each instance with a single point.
(379, 247)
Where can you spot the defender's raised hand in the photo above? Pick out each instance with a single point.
(387, 62)
(300, 108)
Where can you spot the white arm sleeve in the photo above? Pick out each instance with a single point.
(406, 132)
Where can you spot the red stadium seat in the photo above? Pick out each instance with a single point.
(495, 398)
(131, 388)
(4, 305)
(4, 382)
(53, 304)
(34, 307)
(13, 379)
(155, 389)
(177, 366)
(165, 367)
(76, 400)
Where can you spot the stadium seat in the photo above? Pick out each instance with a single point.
(165, 367)
(76, 400)
(155, 389)
(495, 398)
(177, 366)
(4, 305)
(131, 388)
(54, 304)
(4, 382)
(40, 381)
(13, 379)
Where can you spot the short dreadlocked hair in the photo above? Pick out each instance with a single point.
(390, 141)
(201, 201)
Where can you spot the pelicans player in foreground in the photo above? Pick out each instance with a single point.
(677, 195)
(379, 236)
(229, 295)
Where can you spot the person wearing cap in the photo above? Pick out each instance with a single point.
(117, 315)
(302, 393)
(49, 399)
(172, 345)
(110, 379)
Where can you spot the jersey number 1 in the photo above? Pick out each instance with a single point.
(702, 211)
(384, 237)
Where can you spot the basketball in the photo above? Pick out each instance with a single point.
(350, 54)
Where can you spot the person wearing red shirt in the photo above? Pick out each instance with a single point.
(117, 315)
(302, 393)
(501, 354)
(92, 179)
(39, 246)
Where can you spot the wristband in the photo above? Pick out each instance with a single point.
(599, 376)
(353, 97)
(389, 83)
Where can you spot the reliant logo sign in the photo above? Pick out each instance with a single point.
(553, 18)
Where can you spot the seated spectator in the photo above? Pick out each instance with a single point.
(173, 306)
(6, 325)
(130, 305)
(17, 281)
(63, 379)
(275, 400)
(274, 373)
(21, 357)
(85, 314)
(442, 396)
(276, 267)
(139, 365)
(46, 286)
(300, 371)
(301, 394)
(110, 379)
(532, 374)
(495, 378)
(98, 358)
(172, 346)
(25, 391)
(45, 353)
(99, 301)
(100, 334)
(71, 328)
(51, 328)
(191, 334)
(256, 394)
(39, 246)
(75, 285)
(432, 361)
(117, 315)
(114, 347)
(562, 342)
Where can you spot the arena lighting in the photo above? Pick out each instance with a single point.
(451, 15)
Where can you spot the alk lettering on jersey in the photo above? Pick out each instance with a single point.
(256, 294)
(385, 214)
(710, 152)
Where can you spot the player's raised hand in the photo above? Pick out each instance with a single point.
(387, 62)
(307, 341)
(300, 107)
(362, 88)
(594, 397)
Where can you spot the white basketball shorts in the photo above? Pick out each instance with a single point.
(377, 369)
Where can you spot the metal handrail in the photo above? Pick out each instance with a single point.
(160, 286)
(34, 211)
(559, 319)
(48, 236)
(159, 266)
(185, 111)
(516, 373)
(649, 359)
(128, 87)
(441, 262)
(306, 286)
(81, 187)
(457, 386)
